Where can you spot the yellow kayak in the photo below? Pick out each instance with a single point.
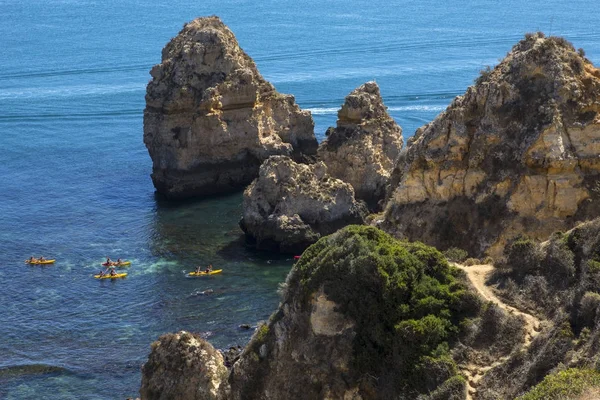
(116, 264)
(109, 276)
(202, 273)
(40, 262)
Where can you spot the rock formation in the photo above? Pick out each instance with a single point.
(183, 366)
(290, 205)
(519, 152)
(364, 146)
(349, 325)
(211, 118)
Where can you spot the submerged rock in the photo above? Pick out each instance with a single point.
(211, 118)
(184, 366)
(364, 146)
(290, 205)
(519, 152)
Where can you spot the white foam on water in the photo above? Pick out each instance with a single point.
(69, 91)
(424, 107)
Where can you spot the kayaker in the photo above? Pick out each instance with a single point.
(32, 259)
(101, 273)
(198, 269)
(119, 261)
(209, 268)
(112, 272)
(108, 261)
(41, 259)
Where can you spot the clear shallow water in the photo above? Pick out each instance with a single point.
(74, 173)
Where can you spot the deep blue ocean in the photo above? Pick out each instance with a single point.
(74, 172)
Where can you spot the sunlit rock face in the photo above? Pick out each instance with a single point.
(362, 149)
(184, 366)
(211, 119)
(518, 153)
(291, 205)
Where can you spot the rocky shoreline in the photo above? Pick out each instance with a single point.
(365, 315)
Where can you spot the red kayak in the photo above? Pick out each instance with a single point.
(296, 257)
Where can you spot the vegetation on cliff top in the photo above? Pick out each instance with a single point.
(560, 280)
(406, 300)
(568, 384)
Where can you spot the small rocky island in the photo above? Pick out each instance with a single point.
(290, 205)
(370, 313)
(211, 119)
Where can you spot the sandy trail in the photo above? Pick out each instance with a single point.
(478, 274)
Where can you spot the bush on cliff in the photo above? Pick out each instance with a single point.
(456, 254)
(568, 384)
(406, 300)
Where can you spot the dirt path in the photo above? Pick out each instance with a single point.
(478, 274)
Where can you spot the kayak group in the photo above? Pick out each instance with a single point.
(110, 273)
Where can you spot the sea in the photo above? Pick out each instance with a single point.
(75, 176)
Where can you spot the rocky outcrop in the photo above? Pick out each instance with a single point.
(364, 146)
(211, 118)
(519, 152)
(290, 205)
(346, 327)
(183, 366)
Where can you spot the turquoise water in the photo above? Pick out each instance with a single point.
(74, 173)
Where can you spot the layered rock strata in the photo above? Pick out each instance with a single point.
(290, 205)
(362, 149)
(519, 152)
(184, 366)
(211, 118)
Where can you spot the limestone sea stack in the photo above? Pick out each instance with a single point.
(518, 153)
(291, 205)
(362, 149)
(211, 119)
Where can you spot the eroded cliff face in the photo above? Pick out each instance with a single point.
(290, 205)
(304, 355)
(517, 153)
(211, 118)
(183, 366)
(365, 144)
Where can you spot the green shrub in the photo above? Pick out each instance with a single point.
(455, 254)
(593, 266)
(564, 385)
(588, 308)
(488, 260)
(262, 332)
(452, 389)
(559, 262)
(404, 297)
(522, 256)
(472, 261)
(484, 75)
